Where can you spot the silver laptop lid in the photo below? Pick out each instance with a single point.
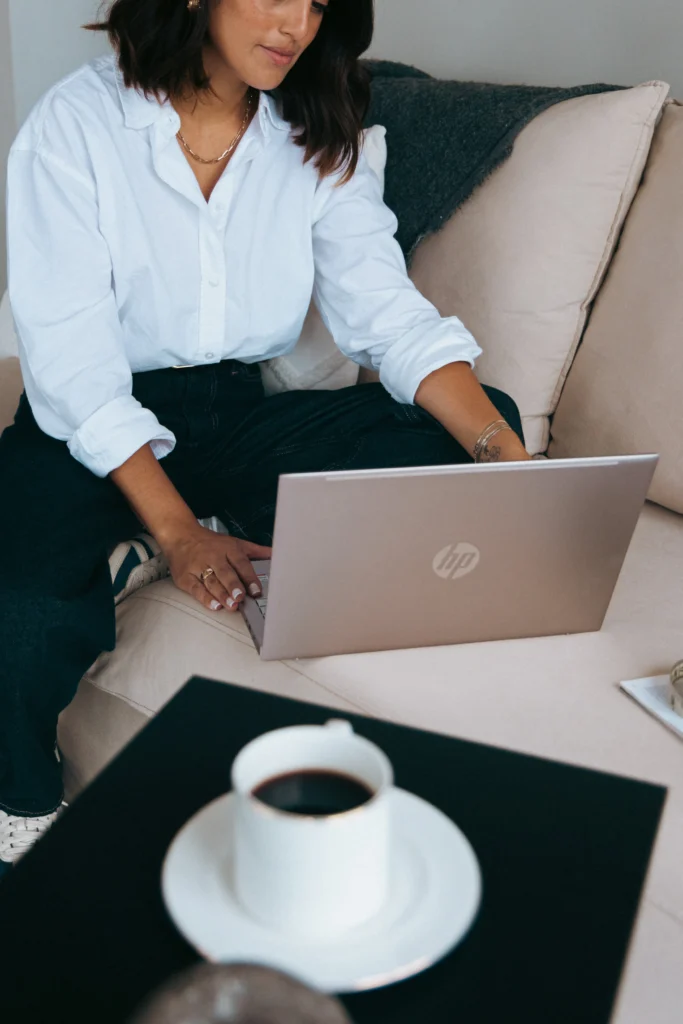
(377, 560)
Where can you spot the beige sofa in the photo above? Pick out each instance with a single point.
(616, 391)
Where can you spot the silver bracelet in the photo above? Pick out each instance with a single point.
(487, 435)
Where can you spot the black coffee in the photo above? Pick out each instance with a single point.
(314, 792)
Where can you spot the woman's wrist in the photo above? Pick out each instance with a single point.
(504, 446)
(172, 531)
(455, 398)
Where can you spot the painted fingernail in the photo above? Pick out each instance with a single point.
(230, 603)
(215, 606)
(237, 594)
(254, 590)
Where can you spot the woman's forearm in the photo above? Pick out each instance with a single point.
(454, 397)
(153, 497)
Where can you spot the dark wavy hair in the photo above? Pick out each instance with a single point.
(325, 96)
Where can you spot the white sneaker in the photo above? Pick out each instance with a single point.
(18, 835)
(135, 563)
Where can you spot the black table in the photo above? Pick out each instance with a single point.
(84, 935)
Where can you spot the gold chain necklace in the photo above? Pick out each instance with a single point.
(217, 160)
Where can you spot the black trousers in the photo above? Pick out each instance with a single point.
(58, 523)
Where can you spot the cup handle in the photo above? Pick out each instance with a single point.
(340, 726)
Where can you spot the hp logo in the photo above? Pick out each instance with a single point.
(456, 560)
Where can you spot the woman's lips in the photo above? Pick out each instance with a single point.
(280, 59)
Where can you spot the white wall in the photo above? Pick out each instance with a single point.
(7, 126)
(542, 42)
(48, 43)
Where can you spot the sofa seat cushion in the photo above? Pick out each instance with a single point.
(163, 638)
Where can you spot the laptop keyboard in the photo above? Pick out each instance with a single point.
(262, 601)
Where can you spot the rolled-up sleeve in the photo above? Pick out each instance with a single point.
(76, 372)
(373, 310)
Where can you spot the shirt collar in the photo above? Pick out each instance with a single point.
(140, 111)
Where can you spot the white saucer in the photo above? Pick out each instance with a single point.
(435, 895)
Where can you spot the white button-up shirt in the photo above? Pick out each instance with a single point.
(118, 264)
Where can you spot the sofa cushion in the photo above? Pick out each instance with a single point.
(164, 636)
(316, 364)
(8, 338)
(11, 386)
(523, 259)
(623, 393)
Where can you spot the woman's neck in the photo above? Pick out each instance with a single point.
(225, 104)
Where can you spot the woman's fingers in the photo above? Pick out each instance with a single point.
(246, 569)
(225, 585)
(247, 573)
(256, 551)
(218, 589)
(232, 577)
(195, 588)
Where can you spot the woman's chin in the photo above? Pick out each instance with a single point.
(264, 84)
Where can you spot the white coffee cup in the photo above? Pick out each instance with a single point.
(312, 876)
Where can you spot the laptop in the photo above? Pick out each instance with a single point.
(376, 560)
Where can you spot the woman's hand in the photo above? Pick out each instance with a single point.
(194, 550)
(189, 548)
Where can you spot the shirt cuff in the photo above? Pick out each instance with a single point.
(410, 360)
(115, 432)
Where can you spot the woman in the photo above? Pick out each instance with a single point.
(167, 221)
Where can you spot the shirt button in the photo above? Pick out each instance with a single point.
(213, 281)
(209, 355)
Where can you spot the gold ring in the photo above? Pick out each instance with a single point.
(205, 575)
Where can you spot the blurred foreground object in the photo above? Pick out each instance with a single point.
(238, 994)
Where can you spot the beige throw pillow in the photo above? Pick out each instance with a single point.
(623, 393)
(316, 363)
(522, 260)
